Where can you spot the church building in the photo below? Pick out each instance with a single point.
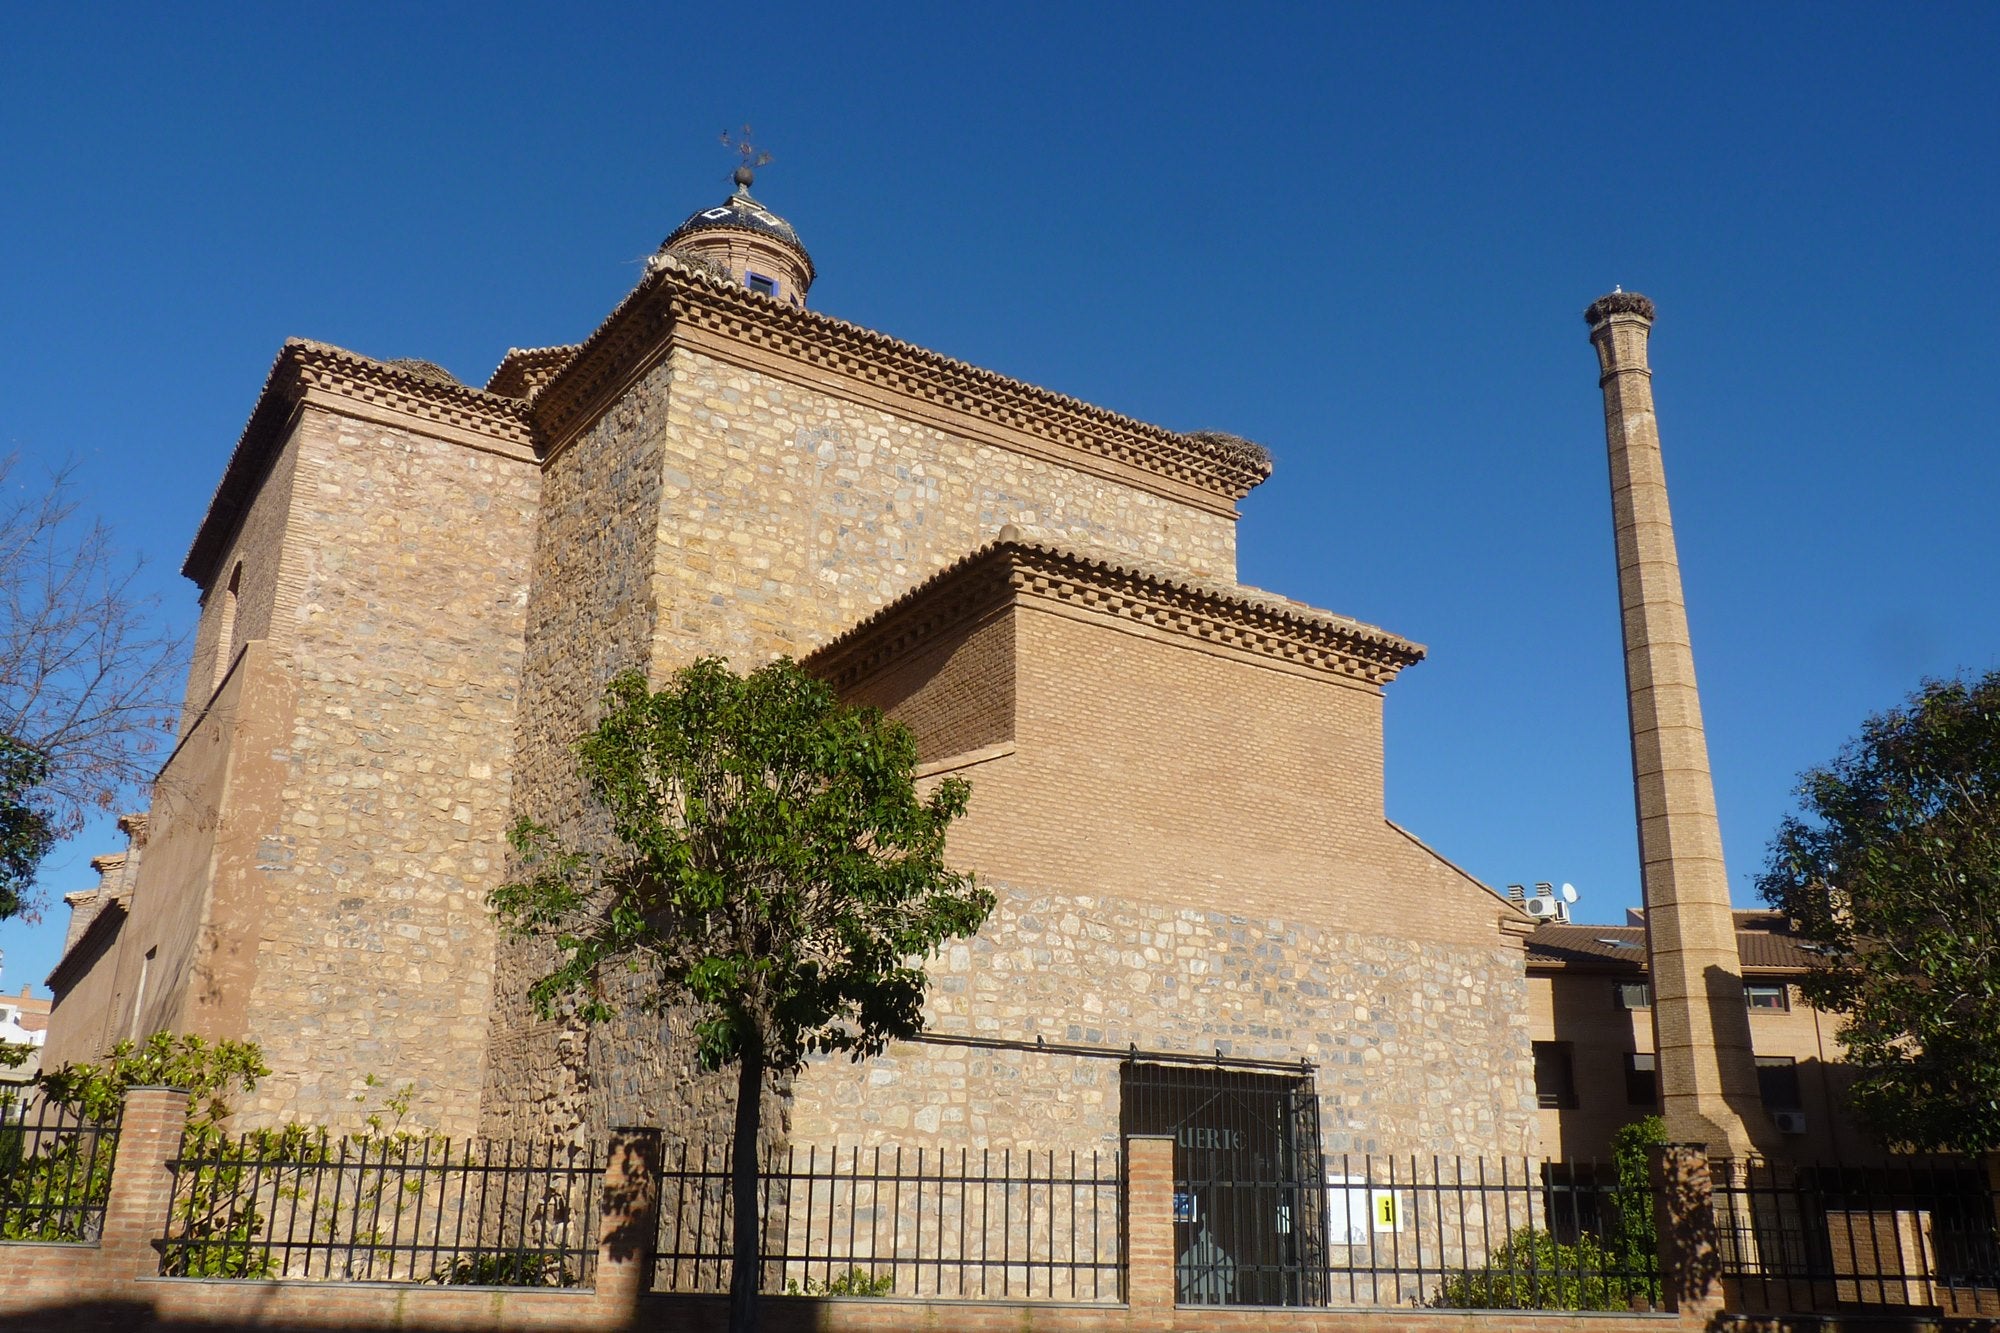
(413, 592)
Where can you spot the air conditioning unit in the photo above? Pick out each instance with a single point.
(1543, 909)
(1790, 1122)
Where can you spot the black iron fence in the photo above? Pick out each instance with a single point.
(1917, 1233)
(55, 1171)
(964, 1224)
(401, 1208)
(1447, 1232)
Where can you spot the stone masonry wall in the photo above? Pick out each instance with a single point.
(376, 953)
(1402, 1033)
(790, 514)
(769, 517)
(264, 597)
(590, 616)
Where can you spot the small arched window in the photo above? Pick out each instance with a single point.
(225, 630)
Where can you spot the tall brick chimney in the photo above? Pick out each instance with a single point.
(1701, 1029)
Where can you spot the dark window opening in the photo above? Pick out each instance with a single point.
(1579, 1201)
(1633, 994)
(1778, 1081)
(1642, 1078)
(757, 282)
(1555, 1076)
(1766, 995)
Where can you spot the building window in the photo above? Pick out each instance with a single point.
(1632, 994)
(1766, 995)
(1778, 1081)
(1642, 1078)
(225, 631)
(757, 282)
(1555, 1076)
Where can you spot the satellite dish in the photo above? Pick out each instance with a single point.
(1569, 892)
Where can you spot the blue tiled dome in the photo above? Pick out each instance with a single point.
(740, 212)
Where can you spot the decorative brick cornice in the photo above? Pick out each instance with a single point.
(305, 367)
(525, 369)
(674, 296)
(70, 967)
(1237, 618)
(1618, 303)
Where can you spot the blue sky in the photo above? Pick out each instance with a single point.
(1361, 236)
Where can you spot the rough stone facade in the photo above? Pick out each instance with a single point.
(1414, 1048)
(327, 829)
(414, 593)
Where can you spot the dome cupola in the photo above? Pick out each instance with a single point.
(754, 245)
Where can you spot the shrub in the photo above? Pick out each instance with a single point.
(854, 1282)
(506, 1268)
(1535, 1271)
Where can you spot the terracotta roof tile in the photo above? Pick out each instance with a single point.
(1623, 948)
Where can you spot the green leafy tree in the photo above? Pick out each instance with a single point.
(772, 863)
(1891, 871)
(27, 830)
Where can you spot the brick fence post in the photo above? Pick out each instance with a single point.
(142, 1187)
(628, 1227)
(1149, 1222)
(1684, 1216)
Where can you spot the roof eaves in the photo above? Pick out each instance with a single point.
(1011, 564)
(73, 961)
(303, 364)
(673, 291)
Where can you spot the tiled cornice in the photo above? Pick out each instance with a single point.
(676, 298)
(525, 369)
(304, 368)
(1240, 619)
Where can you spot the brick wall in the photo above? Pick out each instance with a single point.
(264, 601)
(1190, 854)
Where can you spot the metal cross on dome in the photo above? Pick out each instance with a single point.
(749, 156)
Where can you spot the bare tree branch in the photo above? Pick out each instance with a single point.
(88, 671)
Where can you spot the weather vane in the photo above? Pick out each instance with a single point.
(750, 157)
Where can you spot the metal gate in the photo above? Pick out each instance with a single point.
(1249, 1216)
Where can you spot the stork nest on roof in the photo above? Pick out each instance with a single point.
(425, 370)
(1234, 448)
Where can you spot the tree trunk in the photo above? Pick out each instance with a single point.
(746, 1273)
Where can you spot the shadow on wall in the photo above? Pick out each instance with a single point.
(1729, 1022)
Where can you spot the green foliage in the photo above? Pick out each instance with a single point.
(506, 1268)
(47, 1193)
(774, 863)
(773, 869)
(854, 1282)
(27, 829)
(1892, 873)
(220, 1225)
(1532, 1270)
(1632, 1236)
(205, 1205)
(210, 1073)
